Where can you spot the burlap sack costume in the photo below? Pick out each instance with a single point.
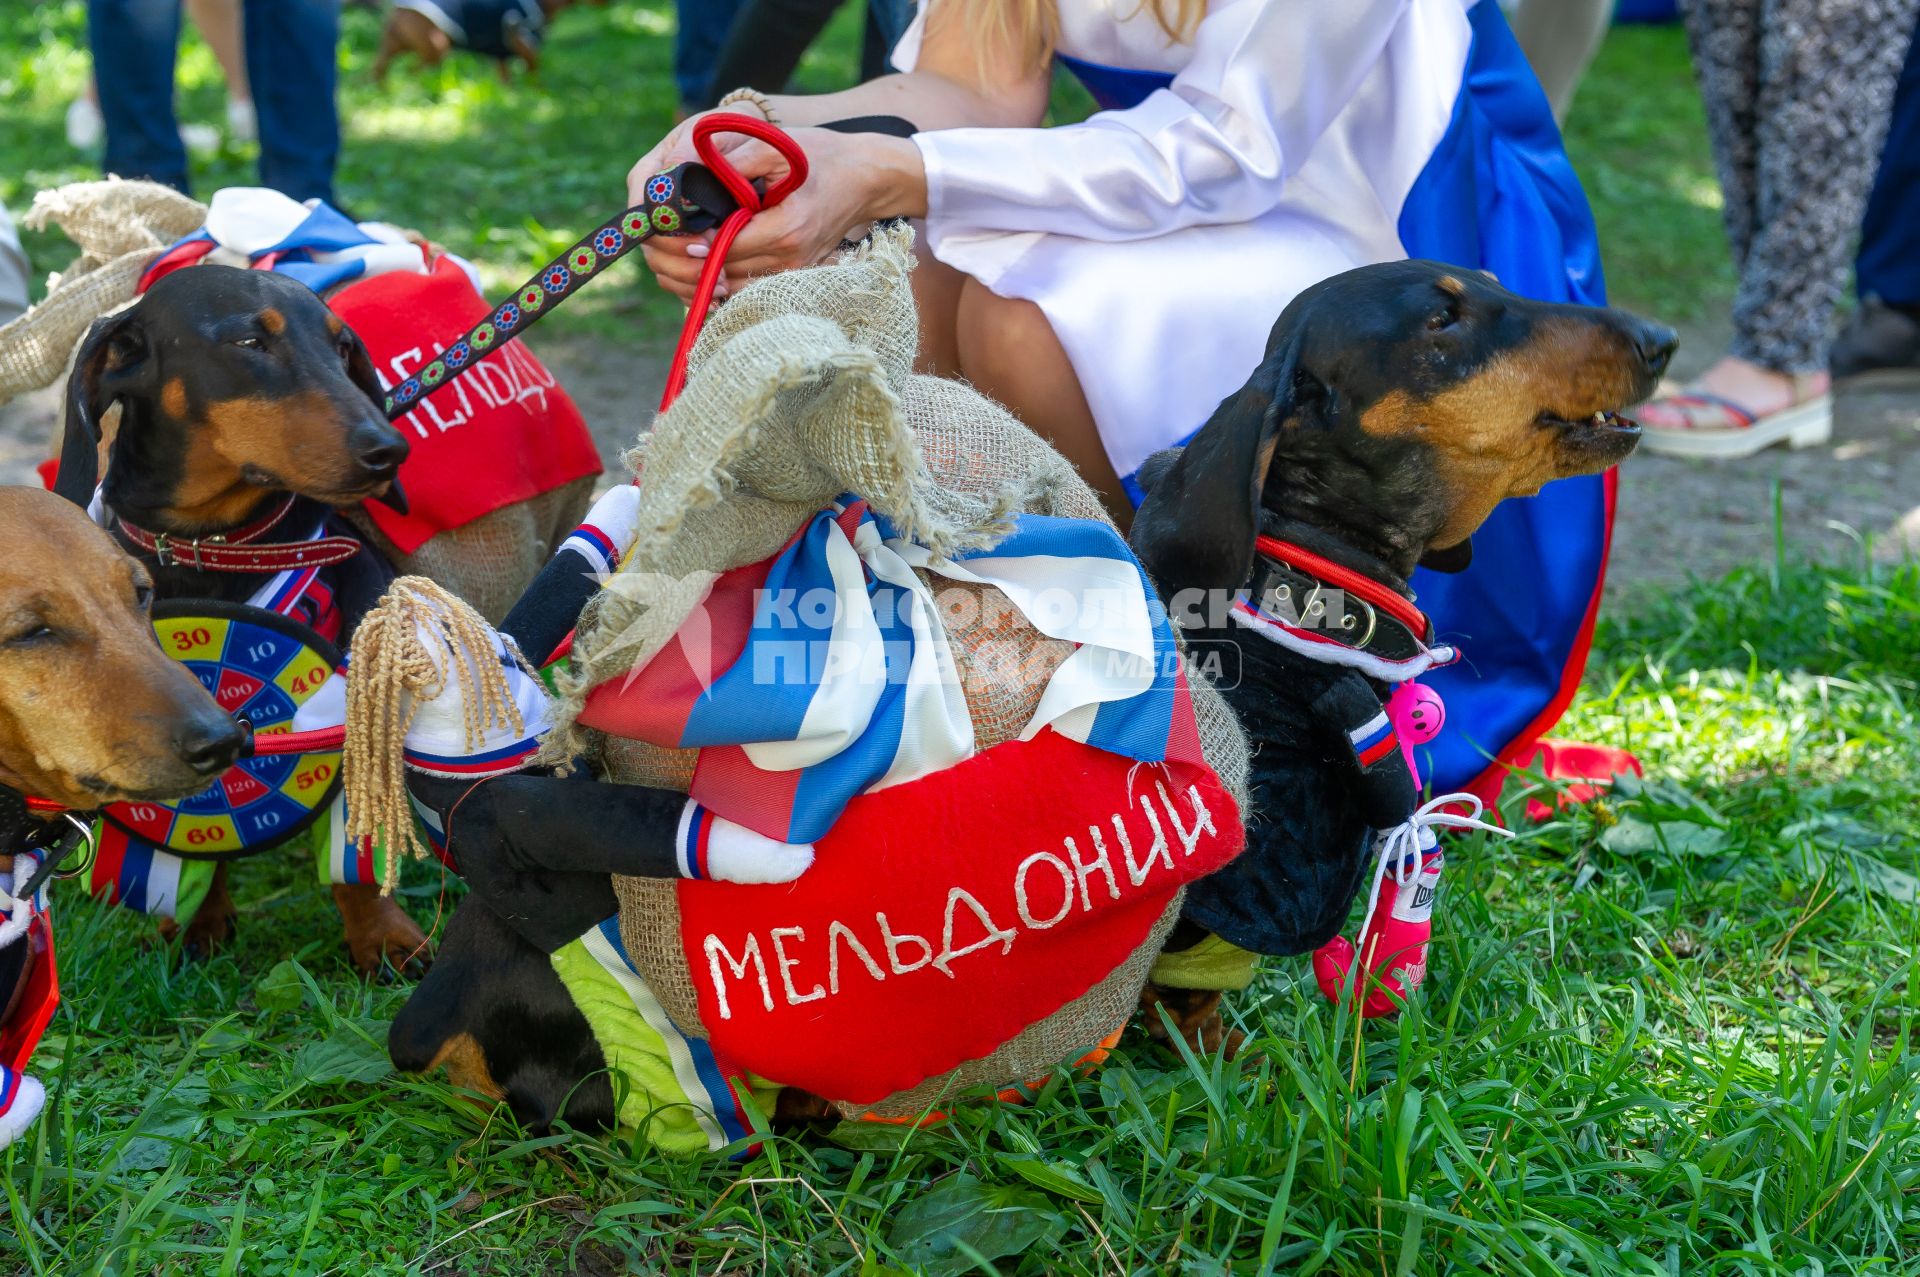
(801, 389)
(119, 227)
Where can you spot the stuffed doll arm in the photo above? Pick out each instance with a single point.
(540, 849)
(551, 606)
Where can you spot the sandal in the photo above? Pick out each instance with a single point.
(1720, 428)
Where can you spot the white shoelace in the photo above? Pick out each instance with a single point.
(1401, 846)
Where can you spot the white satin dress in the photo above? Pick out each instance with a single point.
(1290, 140)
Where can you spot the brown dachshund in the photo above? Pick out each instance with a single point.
(504, 30)
(91, 710)
(222, 398)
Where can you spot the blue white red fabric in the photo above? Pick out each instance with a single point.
(1290, 140)
(1317, 646)
(596, 547)
(1374, 740)
(692, 840)
(825, 671)
(250, 226)
(702, 1075)
(18, 912)
(21, 1099)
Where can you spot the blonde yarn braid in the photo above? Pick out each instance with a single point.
(390, 673)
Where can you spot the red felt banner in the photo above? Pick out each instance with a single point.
(498, 434)
(945, 915)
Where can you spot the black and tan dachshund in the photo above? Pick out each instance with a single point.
(1397, 405)
(222, 398)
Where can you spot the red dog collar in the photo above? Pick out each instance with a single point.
(1364, 588)
(241, 550)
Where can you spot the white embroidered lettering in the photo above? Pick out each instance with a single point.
(995, 933)
(1137, 873)
(836, 931)
(1020, 896)
(786, 965)
(1084, 869)
(716, 951)
(894, 942)
(1189, 836)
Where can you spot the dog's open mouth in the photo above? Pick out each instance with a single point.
(1605, 421)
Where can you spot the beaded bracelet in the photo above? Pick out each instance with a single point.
(761, 102)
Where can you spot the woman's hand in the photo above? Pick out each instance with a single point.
(853, 179)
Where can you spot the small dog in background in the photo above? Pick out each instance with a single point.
(501, 29)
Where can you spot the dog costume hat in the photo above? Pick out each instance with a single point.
(999, 871)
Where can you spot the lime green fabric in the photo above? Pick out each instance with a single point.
(1211, 964)
(648, 1096)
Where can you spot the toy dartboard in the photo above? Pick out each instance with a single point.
(262, 667)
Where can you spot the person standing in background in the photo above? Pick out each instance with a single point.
(701, 30)
(1884, 335)
(290, 48)
(13, 271)
(758, 44)
(1798, 95)
(219, 25)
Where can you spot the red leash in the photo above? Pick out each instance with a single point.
(750, 201)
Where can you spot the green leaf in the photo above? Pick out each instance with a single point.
(1635, 837)
(942, 1231)
(345, 1055)
(280, 989)
(1059, 1178)
(172, 1119)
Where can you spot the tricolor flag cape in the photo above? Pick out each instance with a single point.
(958, 895)
(825, 671)
(501, 434)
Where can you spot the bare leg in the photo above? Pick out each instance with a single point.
(219, 24)
(1009, 350)
(936, 294)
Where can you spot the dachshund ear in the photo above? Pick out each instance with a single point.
(115, 361)
(1455, 558)
(1195, 529)
(360, 370)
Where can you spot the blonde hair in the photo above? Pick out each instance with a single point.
(389, 674)
(1033, 26)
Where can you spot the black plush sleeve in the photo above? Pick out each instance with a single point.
(550, 608)
(1351, 708)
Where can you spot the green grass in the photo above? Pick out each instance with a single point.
(1671, 1033)
(1667, 1034)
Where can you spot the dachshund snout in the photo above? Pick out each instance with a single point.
(1653, 343)
(208, 742)
(378, 449)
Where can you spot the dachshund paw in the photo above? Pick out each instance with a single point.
(211, 929)
(210, 932)
(1196, 1017)
(381, 937)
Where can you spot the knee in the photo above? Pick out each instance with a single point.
(1000, 336)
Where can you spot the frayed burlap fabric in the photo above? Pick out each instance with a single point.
(119, 227)
(801, 389)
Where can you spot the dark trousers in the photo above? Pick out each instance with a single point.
(768, 37)
(290, 51)
(1889, 262)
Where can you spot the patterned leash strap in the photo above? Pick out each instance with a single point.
(684, 200)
